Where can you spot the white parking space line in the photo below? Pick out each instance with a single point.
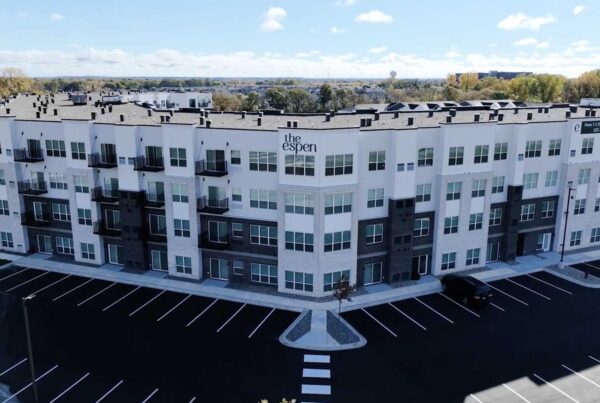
(229, 320)
(476, 398)
(14, 274)
(50, 285)
(591, 265)
(150, 396)
(595, 359)
(316, 373)
(317, 358)
(193, 400)
(549, 284)
(201, 313)
(29, 384)
(13, 367)
(28, 281)
(555, 388)
(316, 389)
(72, 289)
(121, 299)
(261, 323)
(69, 388)
(147, 302)
(497, 307)
(96, 294)
(433, 310)
(408, 317)
(508, 295)
(528, 289)
(175, 307)
(457, 304)
(515, 393)
(581, 376)
(110, 391)
(376, 320)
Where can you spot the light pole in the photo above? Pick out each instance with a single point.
(29, 348)
(562, 252)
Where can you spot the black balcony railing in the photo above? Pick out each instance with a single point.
(214, 206)
(30, 219)
(26, 155)
(142, 163)
(208, 241)
(99, 160)
(100, 194)
(32, 187)
(211, 168)
(100, 228)
(153, 237)
(154, 199)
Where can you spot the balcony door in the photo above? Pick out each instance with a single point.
(215, 194)
(108, 153)
(34, 147)
(217, 231)
(215, 160)
(154, 156)
(44, 244)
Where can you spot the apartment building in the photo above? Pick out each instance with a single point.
(295, 202)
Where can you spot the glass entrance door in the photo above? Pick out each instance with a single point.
(373, 273)
(44, 244)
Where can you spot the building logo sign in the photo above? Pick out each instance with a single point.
(590, 127)
(294, 143)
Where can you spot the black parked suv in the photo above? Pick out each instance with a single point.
(467, 289)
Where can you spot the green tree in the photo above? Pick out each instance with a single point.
(325, 95)
(252, 102)
(549, 87)
(588, 84)
(298, 100)
(522, 88)
(468, 81)
(276, 97)
(14, 81)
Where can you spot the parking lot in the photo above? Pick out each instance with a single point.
(592, 267)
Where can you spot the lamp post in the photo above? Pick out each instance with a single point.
(562, 252)
(29, 347)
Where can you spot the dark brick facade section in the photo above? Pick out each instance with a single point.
(514, 197)
(133, 229)
(498, 229)
(361, 243)
(52, 223)
(360, 268)
(32, 234)
(244, 277)
(401, 223)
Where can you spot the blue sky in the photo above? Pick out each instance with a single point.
(308, 38)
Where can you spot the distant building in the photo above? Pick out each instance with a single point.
(503, 75)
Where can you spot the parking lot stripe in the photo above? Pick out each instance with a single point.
(29, 384)
(121, 299)
(201, 313)
(72, 289)
(581, 376)
(497, 307)
(147, 302)
(529, 289)
(50, 285)
(110, 391)
(516, 393)
(193, 400)
(316, 373)
(150, 396)
(96, 294)
(175, 307)
(476, 398)
(28, 281)
(549, 284)
(13, 367)
(595, 359)
(376, 320)
(508, 295)
(456, 303)
(407, 316)
(14, 274)
(433, 310)
(69, 388)
(555, 388)
(229, 320)
(261, 323)
(317, 358)
(316, 389)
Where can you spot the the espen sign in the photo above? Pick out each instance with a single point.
(294, 143)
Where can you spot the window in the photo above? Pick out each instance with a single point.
(456, 155)
(115, 254)
(527, 212)
(481, 154)
(237, 230)
(500, 151)
(219, 269)
(372, 273)
(159, 260)
(236, 157)
(182, 227)
(597, 206)
(57, 181)
(587, 145)
(336, 241)
(2, 178)
(475, 221)
(60, 212)
(594, 238)
(84, 216)
(375, 198)
(493, 252)
(448, 261)
(338, 203)
(64, 245)
(77, 150)
(575, 238)
(4, 207)
(551, 178)
(299, 241)
(263, 235)
(39, 211)
(579, 207)
(478, 189)
(451, 225)
(112, 219)
(498, 184)
(156, 192)
(183, 264)
(332, 280)
(548, 209)
(423, 193)
(179, 192)
(495, 216)
(530, 180)
(376, 160)
(473, 256)
(81, 184)
(56, 148)
(340, 164)
(453, 190)
(421, 227)
(87, 251)
(374, 234)
(299, 203)
(554, 149)
(263, 161)
(303, 165)
(158, 224)
(420, 263)
(6, 239)
(533, 149)
(236, 194)
(263, 199)
(263, 273)
(295, 280)
(400, 167)
(583, 176)
(425, 157)
(178, 157)
(238, 267)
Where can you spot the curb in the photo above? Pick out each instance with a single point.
(571, 279)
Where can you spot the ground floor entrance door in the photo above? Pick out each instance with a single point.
(44, 244)
(544, 242)
(521, 245)
(373, 273)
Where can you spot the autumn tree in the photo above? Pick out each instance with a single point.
(468, 81)
(548, 87)
(522, 88)
(588, 84)
(276, 98)
(251, 102)
(298, 100)
(14, 81)
(451, 80)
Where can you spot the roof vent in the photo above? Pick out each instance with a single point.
(546, 110)
(149, 111)
(295, 124)
(93, 115)
(162, 119)
(396, 115)
(573, 109)
(260, 113)
(365, 122)
(376, 115)
(244, 115)
(37, 115)
(529, 116)
(587, 113)
(34, 105)
(103, 111)
(45, 110)
(430, 114)
(109, 108)
(449, 119)
(410, 121)
(540, 110)
(476, 117)
(208, 123)
(167, 118)
(122, 117)
(259, 120)
(452, 112)
(500, 117)
(7, 111)
(171, 113)
(594, 113)
(567, 114)
(327, 117)
(289, 123)
(492, 116)
(332, 113)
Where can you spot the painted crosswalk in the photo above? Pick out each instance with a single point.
(316, 378)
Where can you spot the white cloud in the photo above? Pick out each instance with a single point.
(56, 17)
(580, 47)
(378, 50)
(453, 54)
(23, 14)
(578, 9)
(272, 20)
(336, 30)
(346, 2)
(522, 21)
(530, 41)
(543, 45)
(374, 16)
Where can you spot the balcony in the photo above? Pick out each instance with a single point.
(26, 155)
(32, 187)
(30, 219)
(211, 168)
(205, 241)
(155, 237)
(101, 195)
(101, 229)
(98, 160)
(212, 206)
(155, 200)
(145, 164)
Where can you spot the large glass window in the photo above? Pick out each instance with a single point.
(425, 157)
(453, 190)
(332, 280)
(423, 193)
(299, 241)
(456, 155)
(263, 235)
(449, 261)
(340, 164)
(338, 203)
(375, 197)
(299, 281)
(263, 273)
(500, 151)
(263, 161)
(263, 199)
(374, 233)
(481, 154)
(533, 149)
(376, 160)
(336, 241)
(297, 164)
(115, 254)
(299, 203)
